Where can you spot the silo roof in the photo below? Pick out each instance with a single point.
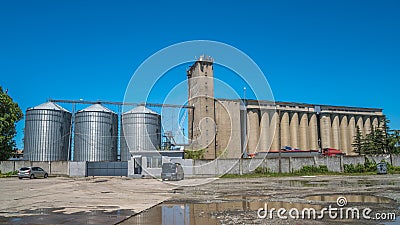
(49, 106)
(141, 109)
(96, 108)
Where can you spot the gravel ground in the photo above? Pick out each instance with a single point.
(105, 200)
(236, 201)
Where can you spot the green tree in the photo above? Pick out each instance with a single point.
(381, 140)
(386, 129)
(358, 142)
(369, 146)
(394, 141)
(10, 114)
(194, 154)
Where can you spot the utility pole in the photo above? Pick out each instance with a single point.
(244, 129)
(317, 109)
(280, 147)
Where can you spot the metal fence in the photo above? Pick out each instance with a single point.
(106, 169)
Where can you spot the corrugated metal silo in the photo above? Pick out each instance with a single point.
(96, 134)
(47, 133)
(141, 131)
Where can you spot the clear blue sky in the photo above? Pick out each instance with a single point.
(337, 52)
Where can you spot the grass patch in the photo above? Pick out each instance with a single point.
(8, 174)
(304, 171)
(393, 169)
(368, 168)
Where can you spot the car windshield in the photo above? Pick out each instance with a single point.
(24, 168)
(168, 168)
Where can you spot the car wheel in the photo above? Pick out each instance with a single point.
(32, 176)
(20, 178)
(45, 175)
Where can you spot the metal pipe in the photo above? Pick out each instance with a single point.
(120, 103)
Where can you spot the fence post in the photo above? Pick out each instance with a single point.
(265, 163)
(341, 164)
(240, 166)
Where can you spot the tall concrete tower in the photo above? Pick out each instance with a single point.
(201, 96)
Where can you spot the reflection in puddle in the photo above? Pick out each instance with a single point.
(232, 207)
(341, 183)
(351, 198)
(204, 213)
(395, 222)
(55, 216)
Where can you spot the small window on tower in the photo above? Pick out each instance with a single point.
(205, 73)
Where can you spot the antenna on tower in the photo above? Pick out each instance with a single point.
(244, 95)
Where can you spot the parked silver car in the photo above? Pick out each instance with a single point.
(32, 172)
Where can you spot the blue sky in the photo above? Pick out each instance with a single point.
(325, 52)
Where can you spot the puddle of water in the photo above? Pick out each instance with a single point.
(395, 222)
(244, 198)
(351, 198)
(52, 216)
(302, 183)
(204, 213)
(210, 213)
(325, 183)
(342, 183)
(100, 181)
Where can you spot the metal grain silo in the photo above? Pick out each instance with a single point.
(47, 133)
(95, 134)
(141, 131)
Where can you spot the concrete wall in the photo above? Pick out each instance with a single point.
(77, 169)
(354, 160)
(228, 143)
(207, 168)
(298, 163)
(395, 160)
(53, 167)
(290, 164)
(333, 163)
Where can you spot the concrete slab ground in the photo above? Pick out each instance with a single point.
(79, 198)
